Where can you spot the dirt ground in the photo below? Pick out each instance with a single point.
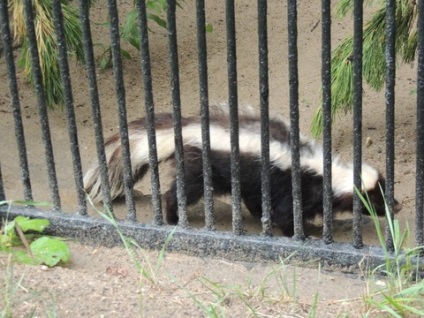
(102, 282)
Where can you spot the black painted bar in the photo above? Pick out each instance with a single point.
(326, 111)
(294, 120)
(390, 113)
(69, 106)
(150, 111)
(90, 67)
(204, 114)
(234, 127)
(15, 104)
(122, 112)
(264, 104)
(176, 106)
(41, 102)
(357, 119)
(2, 193)
(419, 201)
(209, 242)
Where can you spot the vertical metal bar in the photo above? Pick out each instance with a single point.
(150, 112)
(326, 110)
(90, 66)
(120, 95)
(2, 193)
(176, 102)
(234, 127)
(419, 203)
(390, 113)
(264, 103)
(16, 106)
(294, 120)
(357, 119)
(41, 101)
(69, 104)
(204, 114)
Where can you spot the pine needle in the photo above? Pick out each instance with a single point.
(374, 60)
(47, 43)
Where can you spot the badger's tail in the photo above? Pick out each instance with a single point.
(139, 151)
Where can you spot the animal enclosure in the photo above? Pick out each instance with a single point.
(218, 226)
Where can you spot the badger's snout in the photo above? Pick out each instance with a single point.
(397, 206)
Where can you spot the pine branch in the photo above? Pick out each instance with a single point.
(374, 44)
(47, 43)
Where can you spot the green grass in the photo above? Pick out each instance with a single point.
(17, 301)
(391, 289)
(401, 289)
(148, 269)
(274, 292)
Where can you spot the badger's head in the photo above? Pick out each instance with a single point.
(376, 197)
(373, 190)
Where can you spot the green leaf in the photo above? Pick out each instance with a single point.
(161, 22)
(9, 227)
(22, 257)
(155, 6)
(50, 251)
(209, 28)
(125, 54)
(130, 25)
(8, 237)
(27, 224)
(33, 203)
(105, 59)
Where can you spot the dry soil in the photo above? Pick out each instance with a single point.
(103, 282)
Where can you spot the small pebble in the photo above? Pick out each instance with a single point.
(368, 142)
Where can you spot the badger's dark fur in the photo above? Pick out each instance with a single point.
(311, 160)
(250, 185)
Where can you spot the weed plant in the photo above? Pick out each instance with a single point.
(402, 292)
(23, 239)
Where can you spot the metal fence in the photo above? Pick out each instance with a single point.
(235, 244)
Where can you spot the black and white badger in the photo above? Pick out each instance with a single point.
(311, 158)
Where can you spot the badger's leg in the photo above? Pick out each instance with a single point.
(194, 192)
(193, 185)
(282, 214)
(287, 226)
(172, 204)
(254, 206)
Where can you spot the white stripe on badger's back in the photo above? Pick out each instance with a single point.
(249, 143)
(140, 146)
(311, 154)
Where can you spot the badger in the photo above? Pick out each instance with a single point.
(311, 163)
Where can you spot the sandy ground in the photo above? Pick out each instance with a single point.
(101, 282)
(88, 275)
